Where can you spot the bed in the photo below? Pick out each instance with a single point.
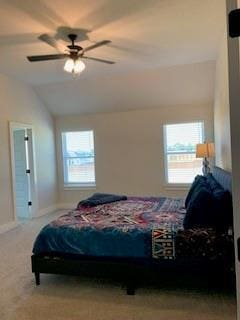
(134, 234)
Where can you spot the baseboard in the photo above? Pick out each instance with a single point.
(59, 206)
(67, 205)
(47, 210)
(8, 226)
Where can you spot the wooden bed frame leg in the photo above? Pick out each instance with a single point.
(37, 278)
(130, 291)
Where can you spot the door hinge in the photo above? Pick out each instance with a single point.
(29, 203)
(28, 171)
(238, 248)
(234, 23)
(26, 138)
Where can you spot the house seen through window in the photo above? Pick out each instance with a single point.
(78, 158)
(181, 164)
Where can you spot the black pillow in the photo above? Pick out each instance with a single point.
(222, 203)
(199, 180)
(200, 209)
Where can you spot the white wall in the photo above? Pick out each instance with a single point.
(129, 149)
(221, 108)
(20, 104)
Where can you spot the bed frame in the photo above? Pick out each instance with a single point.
(130, 271)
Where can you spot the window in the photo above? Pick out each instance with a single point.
(181, 164)
(78, 158)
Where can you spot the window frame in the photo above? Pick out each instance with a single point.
(177, 185)
(76, 185)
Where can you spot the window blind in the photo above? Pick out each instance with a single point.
(180, 147)
(78, 157)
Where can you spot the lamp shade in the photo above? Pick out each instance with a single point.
(205, 150)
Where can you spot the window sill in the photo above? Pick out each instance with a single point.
(180, 186)
(79, 187)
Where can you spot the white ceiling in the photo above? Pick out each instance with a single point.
(145, 89)
(148, 36)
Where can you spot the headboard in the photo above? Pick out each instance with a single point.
(223, 177)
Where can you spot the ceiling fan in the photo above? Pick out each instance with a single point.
(73, 52)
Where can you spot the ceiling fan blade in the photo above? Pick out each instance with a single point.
(46, 57)
(52, 42)
(99, 60)
(96, 45)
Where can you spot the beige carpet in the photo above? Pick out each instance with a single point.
(71, 298)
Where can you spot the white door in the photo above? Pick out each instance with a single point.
(22, 189)
(234, 100)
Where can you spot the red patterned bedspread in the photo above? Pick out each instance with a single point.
(137, 227)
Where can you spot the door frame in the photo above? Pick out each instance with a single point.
(32, 161)
(234, 102)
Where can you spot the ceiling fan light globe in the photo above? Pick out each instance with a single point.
(79, 66)
(69, 65)
(74, 66)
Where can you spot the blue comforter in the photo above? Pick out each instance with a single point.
(118, 229)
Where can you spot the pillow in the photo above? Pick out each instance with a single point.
(222, 202)
(212, 182)
(208, 204)
(200, 210)
(197, 181)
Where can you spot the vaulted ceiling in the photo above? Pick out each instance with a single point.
(151, 41)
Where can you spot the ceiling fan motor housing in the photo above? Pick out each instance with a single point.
(74, 49)
(72, 37)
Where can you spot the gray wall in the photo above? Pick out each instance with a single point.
(20, 104)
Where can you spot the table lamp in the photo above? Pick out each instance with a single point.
(205, 150)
